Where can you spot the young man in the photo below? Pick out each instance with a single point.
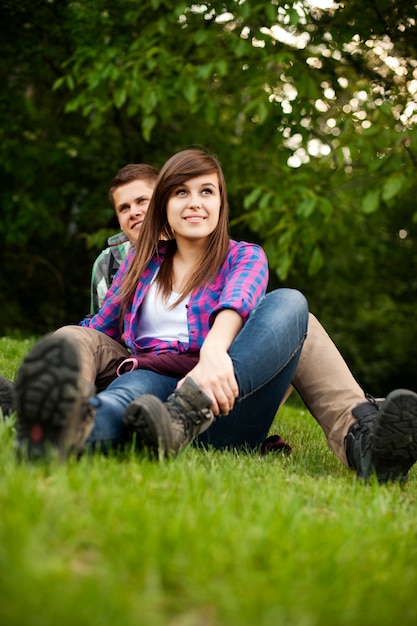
(130, 192)
(366, 435)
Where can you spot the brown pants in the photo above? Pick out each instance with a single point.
(100, 355)
(322, 378)
(327, 386)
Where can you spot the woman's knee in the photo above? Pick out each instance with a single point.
(290, 300)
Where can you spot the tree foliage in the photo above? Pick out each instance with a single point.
(311, 111)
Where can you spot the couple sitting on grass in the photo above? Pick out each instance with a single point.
(187, 346)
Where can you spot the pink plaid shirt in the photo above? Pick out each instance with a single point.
(239, 285)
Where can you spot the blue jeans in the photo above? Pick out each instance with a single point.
(264, 354)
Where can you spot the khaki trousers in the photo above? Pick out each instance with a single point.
(100, 355)
(327, 386)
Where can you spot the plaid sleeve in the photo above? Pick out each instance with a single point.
(245, 274)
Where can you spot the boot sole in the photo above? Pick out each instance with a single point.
(6, 396)
(148, 418)
(395, 436)
(46, 397)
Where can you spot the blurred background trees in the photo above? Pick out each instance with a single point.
(310, 106)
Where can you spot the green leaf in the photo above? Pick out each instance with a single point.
(241, 48)
(190, 91)
(201, 37)
(392, 186)
(370, 203)
(271, 12)
(283, 265)
(245, 10)
(58, 83)
(149, 100)
(222, 67)
(294, 16)
(204, 71)
(148, 123)
(210, 113)
(263, 110)
(252, 197)
(285, 240)
(119, 98)
(326, 208)
(316, 262)
(307, 206)
(265, 200)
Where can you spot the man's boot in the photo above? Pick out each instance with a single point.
(6, 396)
(383, 441)
(165, 428)
(53, 414)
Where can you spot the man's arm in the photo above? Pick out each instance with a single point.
(99, 280)
(105, 268)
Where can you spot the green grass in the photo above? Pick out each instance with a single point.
(208, 539)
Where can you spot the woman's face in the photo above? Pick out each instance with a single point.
(193, 208)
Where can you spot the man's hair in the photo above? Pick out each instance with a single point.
(131, 172)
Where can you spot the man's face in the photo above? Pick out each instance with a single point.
(131, 203)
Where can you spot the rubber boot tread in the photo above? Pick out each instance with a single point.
(395, 436)
(46, 395)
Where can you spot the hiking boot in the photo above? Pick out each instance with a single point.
(53, 416)
(165, 428)
(383, 442)
(6, 396)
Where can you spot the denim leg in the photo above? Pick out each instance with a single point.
(265, 355)
(109, 405)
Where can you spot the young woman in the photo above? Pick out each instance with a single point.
(204, 339)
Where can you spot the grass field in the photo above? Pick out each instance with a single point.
(208, 539)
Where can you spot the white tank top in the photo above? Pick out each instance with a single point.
(159, 321)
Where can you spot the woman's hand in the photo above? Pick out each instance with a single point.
(214, 372)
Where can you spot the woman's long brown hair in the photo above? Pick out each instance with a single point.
(181, 167)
